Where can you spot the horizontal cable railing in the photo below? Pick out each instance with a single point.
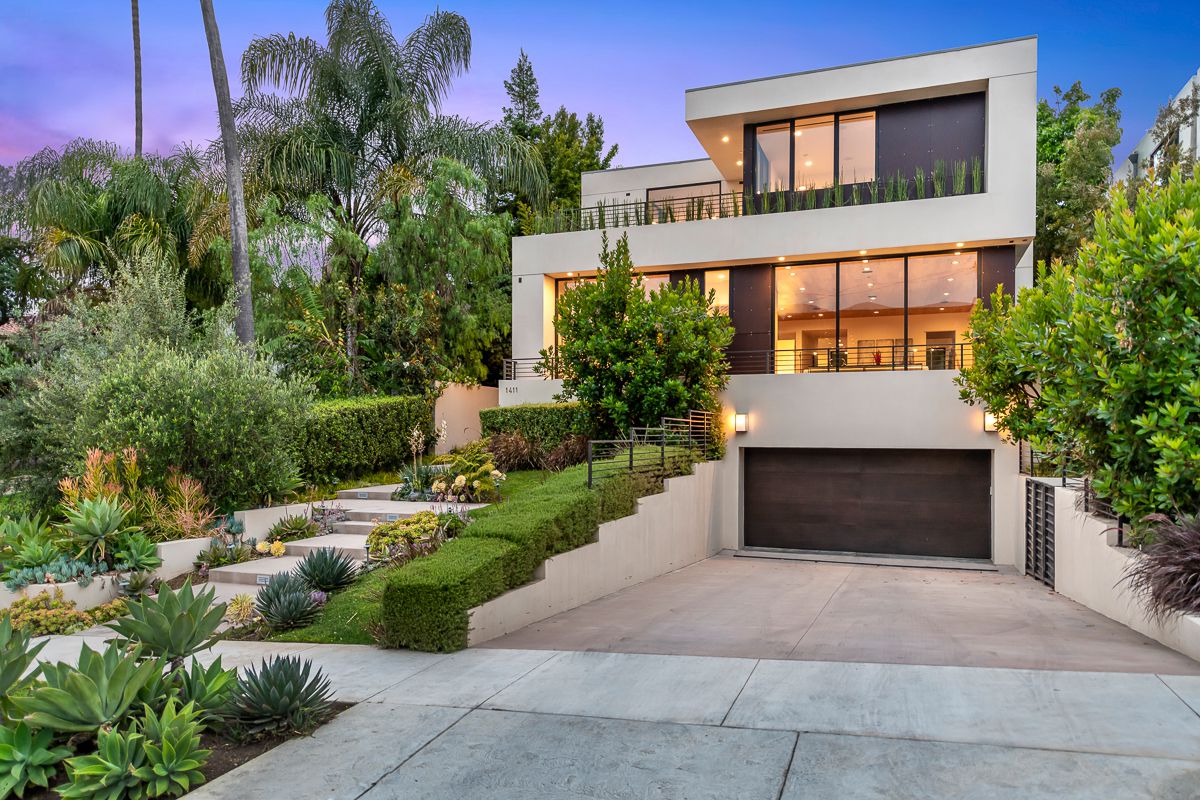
(1066, 471)
(955, 178)
(653, 448)
(853, 358)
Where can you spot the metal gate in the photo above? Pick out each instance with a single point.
(1039, 531)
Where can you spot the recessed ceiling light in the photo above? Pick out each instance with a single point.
(804, 288)
(945, 294)
(871, 297)
(812, 302)
(866, 269)
(724, 138)
(876, 312)
(779, 259)
(862, 252)
(949, 280)
(570, 274)
(798, 133)
(958, 252)
(801, 188)
(789, 316)
(941, 309)
(865, 260)
(808, 163)
(721, 276)
(820, 315)
(870, 285)
(958, 244)
(739, 163)
(955, 261)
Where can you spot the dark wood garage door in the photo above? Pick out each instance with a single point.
(901, 502)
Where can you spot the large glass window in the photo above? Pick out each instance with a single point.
(941, 292)
(771, 157)
(856, 147)
(805, 310)
(872, 313)
(717, 282)
(814, 153)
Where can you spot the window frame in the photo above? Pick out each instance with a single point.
(749, 176)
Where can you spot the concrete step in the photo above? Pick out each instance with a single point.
(254, 573)
(368, 493)
(358, 527)
(375, 517)
(348, 544)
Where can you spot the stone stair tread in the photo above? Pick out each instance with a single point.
(338, 541)
(250, 572)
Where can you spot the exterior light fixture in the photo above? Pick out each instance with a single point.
(741, 422)
(725, 139)
(989, 422)
(958, 244)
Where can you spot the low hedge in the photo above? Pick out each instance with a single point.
(425, 604)
(544, 425)
(345, 438)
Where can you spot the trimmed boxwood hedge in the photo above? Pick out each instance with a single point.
(345, 438)
(544, 425)
(425, 603)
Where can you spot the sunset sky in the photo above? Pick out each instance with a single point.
(66, 67)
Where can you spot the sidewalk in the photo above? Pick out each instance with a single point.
(534, 723)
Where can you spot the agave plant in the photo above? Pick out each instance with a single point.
(136, 553)
(293, 527)
(96, 526)
(34, 552)
(285, 603)
(95, 694)
(283, 696)
(327, 570)
(174, 624)
(110, 773)
(171, 741)
(207, 688)
(27, 756)
(15, 657)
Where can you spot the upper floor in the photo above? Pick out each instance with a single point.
(944, 139)
(1146, 153)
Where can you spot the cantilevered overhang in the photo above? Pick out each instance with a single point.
(717, 114)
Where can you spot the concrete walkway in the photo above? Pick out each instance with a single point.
(780, 609)
(544, 724)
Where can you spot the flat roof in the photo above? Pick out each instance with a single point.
(644, 166)
(863, 63)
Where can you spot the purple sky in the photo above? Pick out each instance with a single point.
(66, 67)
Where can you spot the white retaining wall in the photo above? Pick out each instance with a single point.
(668, 531)
(1089, 568)
(458, 406)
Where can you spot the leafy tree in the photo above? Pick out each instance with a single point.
(358, 119)
(1172, 155)
(1102, 358)
(14, 260)
(631, 357)
(439, 247)
(1074, 153)
(525, 113)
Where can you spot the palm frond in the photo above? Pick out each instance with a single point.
(287, 62)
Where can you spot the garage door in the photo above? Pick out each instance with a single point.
(901, 502)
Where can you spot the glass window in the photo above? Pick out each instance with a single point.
(941, 293)
(814, 153)
(717, 282)
(771, 157)
(674, 200)
(805, 308)
(872, 313)
(652, 283)
(856, 147)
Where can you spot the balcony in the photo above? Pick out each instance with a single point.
(896, 358)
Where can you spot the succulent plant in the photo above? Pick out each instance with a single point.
(136, 553)
(173, 756)
(327, 570)
(138, 584)
(174, 624)
(15, 657)
(207, 688)
(27, 756)
(95, 694)
(60, 570)
(110, 773)
(34, 551)
(240, 610)
(293, 527)
(96, 527)
(285, 603)
(282, 696)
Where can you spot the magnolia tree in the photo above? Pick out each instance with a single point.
(1101, 359)
(631, 356)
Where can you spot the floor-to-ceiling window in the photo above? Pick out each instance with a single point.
(941, 292)
(717, 282)
(812, 141)
(856, 147)
(871, 312)
(772, 156)
(806, 335)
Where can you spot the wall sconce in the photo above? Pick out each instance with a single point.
(741, 422)
(989, 422)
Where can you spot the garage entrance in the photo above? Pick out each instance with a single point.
(892, 502)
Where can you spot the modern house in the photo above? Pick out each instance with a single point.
(1145, 154)
(848, 219)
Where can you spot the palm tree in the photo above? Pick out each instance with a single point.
(358, 120)
(239, 238)
(137, 81)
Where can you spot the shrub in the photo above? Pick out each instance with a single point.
(27, 756)
(327, 570)
(403, 536)
(48, 614)
(514, 452)
(345, 438)
(543, 425)
(569, 452)
(241, 610)
(1166, 574)
(283, 696)
(136, 553)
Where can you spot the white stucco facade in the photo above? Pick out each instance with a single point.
(1142, 156)
(903, 409)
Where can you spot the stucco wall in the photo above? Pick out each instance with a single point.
(1090, 569)
(458, 406)
(669, 530)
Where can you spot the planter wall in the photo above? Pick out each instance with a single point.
(459, 406)
(259, 520)
(102, 589)
(179, 557)
(669, 531)
(1090, 569)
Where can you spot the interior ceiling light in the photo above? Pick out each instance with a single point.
(812, 302)
(570, 274)
(941, 309)
(799, 133)
(870, 286)
(721, 276)
(862, 252)
(866, 269)
(871, 297)
(803, 288)
(958, 252)
(780, 258)
(876, 312)
(955, 261)
(801, 188)
(865, 260)
(958, 244)
(820, 315)
(808, 163)
(725, 139)
(945, 294)
(950, 280)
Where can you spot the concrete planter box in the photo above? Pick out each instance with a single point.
(101, 590)
(259, 520)
(668, 531)
(179, 557)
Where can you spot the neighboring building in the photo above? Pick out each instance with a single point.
(849, 287)
(1145, 154)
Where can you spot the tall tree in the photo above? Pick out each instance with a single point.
(1074, 152)
(525, 113)
(358, 119)
(137, 81)
(238, 239)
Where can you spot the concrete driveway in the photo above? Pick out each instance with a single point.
(782, 609)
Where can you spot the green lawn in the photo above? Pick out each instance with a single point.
(350, 615)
